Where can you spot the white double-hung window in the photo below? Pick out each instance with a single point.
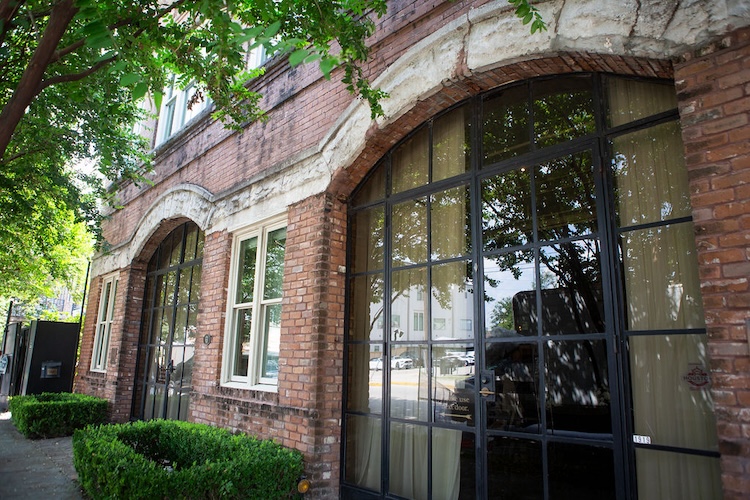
(104, 320)
(254, 317)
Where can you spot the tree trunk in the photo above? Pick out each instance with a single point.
(30, 84)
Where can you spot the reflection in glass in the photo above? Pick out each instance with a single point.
(563, 110)
(566, 197)
(246, 270)
(516, 404)
(506, 210)
(363, 455)
(406, 288)
(571, 288)
(671, 381)
(507, 278)
(242, 348)
(505, 131)
(514, 468)
(271, 341)
(662, 474)
(451, 225)
(651, 181)
(661, 278)
(577, 380)
(452, 299)
(451, 146)
(195, 284)
(367, 230)
(274, 269)
(410, 162)
(581, 472)
(409, 232)
(629, 100)
(365, 384)
(409, 384)
(366, 307)
(453, 384)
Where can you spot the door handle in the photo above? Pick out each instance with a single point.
(486, 392)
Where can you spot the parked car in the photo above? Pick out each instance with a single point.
(376, 363)
(401, 362)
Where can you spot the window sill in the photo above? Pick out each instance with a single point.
(256, 387)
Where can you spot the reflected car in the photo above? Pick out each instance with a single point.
(401, 362)
(376, 363)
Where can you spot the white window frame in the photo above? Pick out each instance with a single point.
(174, 114)
(253, 379)
(104, 320)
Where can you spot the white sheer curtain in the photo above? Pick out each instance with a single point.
(663, 293)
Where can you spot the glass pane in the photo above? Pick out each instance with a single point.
(629, 100)
(450, 223)
(195, 284)
(105, 301)
(242, 342)
(453, 301)
(190, 241)
(271, 342)
(651, 180)
(407, 288)
(571, 288)
(578, 399)
(274, 270)
(453, 384)
(506, 210)
(671, 384)
(408, 467)
(199, 249)
(516, 404)
(176, 252)
(451, 144)
(366, 307)
(246, 271)
(581, 472)
(509, 290)
(409, 232)
(165, 250)
(365, 378)
(373, 189)
(363, 451)
(563, 110)
(169, 290)
(183, 294)
(166, 326)
(367, 249)
(506, 125)
(662, 474)
(409, 385)
(661, 278)
(192, 328)
(452, 467)
(180, 325)
(514, 469)
(566, 197)
(410, 163)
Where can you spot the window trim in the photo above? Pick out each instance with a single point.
(253, 380)
(104, 320)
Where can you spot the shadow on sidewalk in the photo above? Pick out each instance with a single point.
(36, 469)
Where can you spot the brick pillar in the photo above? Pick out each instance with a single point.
(313, 312)
(714, 99)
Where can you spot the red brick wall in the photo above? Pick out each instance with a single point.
(714, 93)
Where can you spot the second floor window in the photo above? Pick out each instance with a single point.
(104, 324)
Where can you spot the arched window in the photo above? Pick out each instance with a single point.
(168, 328)
(524, 316)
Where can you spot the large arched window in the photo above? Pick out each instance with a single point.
(169, 328)
(525, 318)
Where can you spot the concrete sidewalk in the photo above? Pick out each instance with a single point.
(36, 469)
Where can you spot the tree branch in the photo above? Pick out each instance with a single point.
(8, 10)
(74, 77)
(29, 84)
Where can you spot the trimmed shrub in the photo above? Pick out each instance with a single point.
(174, 459)
(49, 414)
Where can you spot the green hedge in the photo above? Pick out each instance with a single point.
(173, 459)
(49, 415)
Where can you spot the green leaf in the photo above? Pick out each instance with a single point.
(298, 56)
(130, 79)
(140, 90)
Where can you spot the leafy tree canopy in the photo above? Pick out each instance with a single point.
(72, 73)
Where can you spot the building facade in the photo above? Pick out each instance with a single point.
(528, 279)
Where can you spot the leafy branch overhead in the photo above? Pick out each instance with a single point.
(72, 73)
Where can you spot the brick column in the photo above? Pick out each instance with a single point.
(714, 98)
